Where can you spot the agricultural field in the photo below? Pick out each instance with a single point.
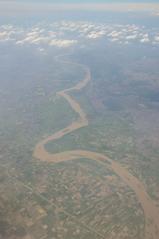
(79, 130)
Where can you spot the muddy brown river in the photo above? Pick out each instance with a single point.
(151, 211)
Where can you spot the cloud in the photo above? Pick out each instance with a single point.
(68, 33)
(114, 34)
(95, 34)
(145, 38)
(157, 38)
(131, 37)
(3, 34)
(62, 43)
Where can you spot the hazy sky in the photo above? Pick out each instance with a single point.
(84, 1)
(20, 6)
(94, 1)
(79, 1)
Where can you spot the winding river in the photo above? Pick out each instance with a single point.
(151, 211)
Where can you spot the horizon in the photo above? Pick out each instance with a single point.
(82, 1)
(88, 5)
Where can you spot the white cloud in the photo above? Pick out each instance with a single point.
(131, 37)
(114, 34)
(58, 34)
(145, 38)
(62, 43)
(95, 34)
(114, 39)
(3, 34)
(157, 38)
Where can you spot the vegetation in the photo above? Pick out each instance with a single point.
(77, 199)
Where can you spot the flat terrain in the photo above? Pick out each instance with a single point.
(79, 137)
(151, 211)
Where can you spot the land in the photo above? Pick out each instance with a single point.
(79, 152)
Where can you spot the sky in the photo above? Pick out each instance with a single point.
(83, 1)
(20, 6)
(95, 1)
